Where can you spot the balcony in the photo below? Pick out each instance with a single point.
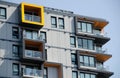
(32, 15)
(32, 18)
(33, 54)
(32, 73)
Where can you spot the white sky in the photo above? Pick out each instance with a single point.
(107, 9)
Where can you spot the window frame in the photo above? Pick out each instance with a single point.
(89, 63)
(5, 16)
(55, 24)
(80, 29)
(85, 73)
(15, 54)
(74, 62)
(85, 45)
(14, 72)
(76, 74)
(73, 44)
(61, 26)
(14, 35)
(45, 68)
(45, 40)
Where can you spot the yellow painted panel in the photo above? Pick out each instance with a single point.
(32, 7)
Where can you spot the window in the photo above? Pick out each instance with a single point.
(72, 41)
(84, 27)
(15, 50)
(61, 23)
(74, 74)
(45, 73)
(43, 36)
(15, 69)
(79, 43)
(31, 34)
(87, 61)
(79, 27)
(74, 59)
(90, 44)
(53, 22)
(46, 54)
(85, 43)
(15, 32)
(2, 13)
(87, 75)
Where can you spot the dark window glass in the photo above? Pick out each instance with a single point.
(92, 61)
(84, 27)
(43, 36)
(79, 28)
(31, 34)
(53, 22)
(72, 41)
(74, 74)
(85, 44)
(90, 44)
(82, 75)
(46, 54)
(81, 61)
(15, 32)
(89, 28)
(87, 61)
(2, 13)
(79, 43)
(45, 73)
(61, 23)
(87, 75)
(15, 50)
(74, 59)
(15, 69)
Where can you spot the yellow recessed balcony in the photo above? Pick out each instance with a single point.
(32, 14)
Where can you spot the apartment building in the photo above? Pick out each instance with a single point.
(43, 42)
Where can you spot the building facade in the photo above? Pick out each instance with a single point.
(43, 42)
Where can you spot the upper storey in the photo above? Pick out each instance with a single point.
(91, 27)
(32, 15)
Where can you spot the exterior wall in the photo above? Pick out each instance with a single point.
(6, 41)
(58, 43)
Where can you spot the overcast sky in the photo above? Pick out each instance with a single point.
(107, 9)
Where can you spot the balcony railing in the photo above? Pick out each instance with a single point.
(32, 73)
(33, 54)
(102, 67)
(32, 18)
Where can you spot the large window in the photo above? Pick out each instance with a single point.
(74, 74)
(53, 22)
(15, 50)
(15, 32)
(43, 36)
(31, 34)
(84, 27)
(61, 23)
(85, 43)
(87, 61)
(74, 59)
(87, 75)
(45, 73)
(15, 69)
(2, 13)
